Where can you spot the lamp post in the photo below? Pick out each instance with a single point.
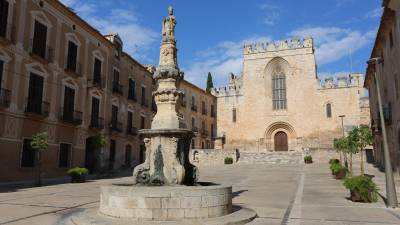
(390, 186)
(344, 154)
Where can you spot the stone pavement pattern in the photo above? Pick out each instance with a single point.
(281, 194)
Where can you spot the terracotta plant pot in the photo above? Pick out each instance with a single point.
(356, 197)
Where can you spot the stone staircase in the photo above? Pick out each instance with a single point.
(289, 158)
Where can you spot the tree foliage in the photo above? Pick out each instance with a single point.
(40, 141)
(210, 84)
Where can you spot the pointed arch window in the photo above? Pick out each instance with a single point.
(278, 89)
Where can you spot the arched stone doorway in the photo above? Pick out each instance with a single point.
(281, 141)
(280, 136)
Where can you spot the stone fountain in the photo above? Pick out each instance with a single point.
(164, 189)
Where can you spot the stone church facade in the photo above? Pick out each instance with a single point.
(280, 104)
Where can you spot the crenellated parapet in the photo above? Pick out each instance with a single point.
(233, 89)
(343, 81)
(273, 46)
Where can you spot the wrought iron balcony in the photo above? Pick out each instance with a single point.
(75, 70)
(5, 98)
(132, 97)
(117, 88)
(45, 55)
(194, 108)
(130, 130)
(96, 82)
(37, 107)
(116, 126)
(73, 117)
(96, 122)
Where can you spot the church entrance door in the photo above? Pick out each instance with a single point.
(281, 141)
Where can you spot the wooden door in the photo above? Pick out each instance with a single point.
(281, 141)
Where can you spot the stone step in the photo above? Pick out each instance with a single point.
(271, 158)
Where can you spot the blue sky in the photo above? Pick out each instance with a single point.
(211, 33)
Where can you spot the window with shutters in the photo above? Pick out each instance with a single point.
(97, 71)
(132, 89)
(278, 89)
(39, 39)
(114, 115)
(35, 93)
(28, 154)
(69, 104)
(3, 18)
(71, 57)
(64, 156)
(329, 110)
(94, 117)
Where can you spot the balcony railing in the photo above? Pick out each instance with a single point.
(5, 98)
(8, 34)
(130, 130)
(194, 108)
(96, 82)
(204, 132)
(74, 69)
(117, 88)
(116, 126)
(37, 107)
(96, 122)
(195, 129)
(74, 117)
(144, 102)
(45, 55)
(132, 97)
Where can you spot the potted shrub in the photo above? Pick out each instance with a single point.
(308, 159)
(338, 170)
(228, 160)
(361, 188)
(78, 174)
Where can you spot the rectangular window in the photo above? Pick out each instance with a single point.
(95, 107)
(1, 71)
(39, 39)
(97, 71)
(130, 119)
(3, 18)
(35, 93)
(132, 91)
(28, 154)
(279, 92)
(72, 55)
(391, 39)
(142, 122)
(143, 95)
(112, 150)
(203, 108)
(114, 115)
(116, 77)
(64, 158)
(234, 115)
(69, 104)
(328, 110)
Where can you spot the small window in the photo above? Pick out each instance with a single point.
(234, 115)
(39, 39)
(97, 70)
(28, 154)
(142, 122)
(132, 91)
(329, 110)
(3, 18)
(72, 55)
(112, 150)
(64, 158)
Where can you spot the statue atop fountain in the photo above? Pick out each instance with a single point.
(167, 146)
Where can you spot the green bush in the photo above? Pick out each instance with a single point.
(308, 159)
(363, 186)
(78, 174)
(334, 161)
(337, 168)
(228, 160)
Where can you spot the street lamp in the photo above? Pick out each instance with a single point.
(390, 186)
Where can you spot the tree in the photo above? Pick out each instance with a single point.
(362, 137)
(347, 146)
(210, 83)
(39, 144)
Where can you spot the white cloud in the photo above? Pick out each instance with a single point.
(272, 13)
(124, 21)
(374, 13)
(333, 43)
(220, 60)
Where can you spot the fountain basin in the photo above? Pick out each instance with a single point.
(165, 203)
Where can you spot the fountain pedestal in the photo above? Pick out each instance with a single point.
(164, 189)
